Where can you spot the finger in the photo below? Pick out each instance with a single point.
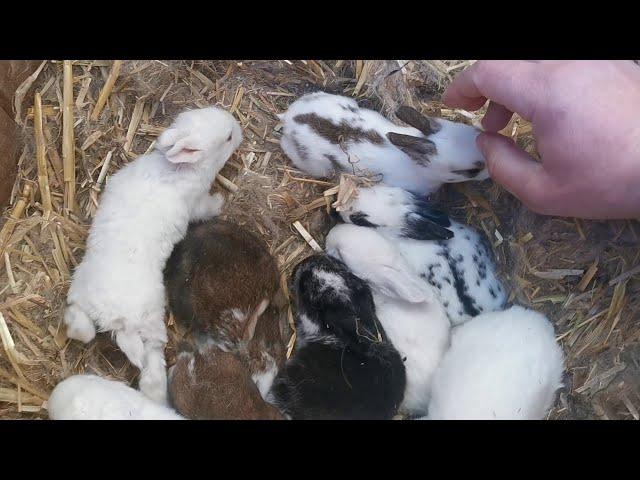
(514, 169)
(515, 84)
(496, 118)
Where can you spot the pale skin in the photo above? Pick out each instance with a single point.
(586, 124)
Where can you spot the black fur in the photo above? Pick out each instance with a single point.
(425, 222)
(418, 227)
(462, 289)
(360, 218)
(348, 369)
(470, 173)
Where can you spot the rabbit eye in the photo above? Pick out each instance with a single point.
(229, 139)
(470, 173)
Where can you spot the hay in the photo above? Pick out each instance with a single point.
(92, 117)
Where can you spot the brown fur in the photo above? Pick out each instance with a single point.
(412, 117)
(338, 133)
(219, 388)
(217, 268)
(417, 148)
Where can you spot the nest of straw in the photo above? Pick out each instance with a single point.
(83, 120)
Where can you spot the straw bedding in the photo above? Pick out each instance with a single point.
(83, 120)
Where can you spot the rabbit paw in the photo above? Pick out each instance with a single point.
(209, 206)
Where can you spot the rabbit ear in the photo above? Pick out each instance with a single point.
(396, 283)
(417, 148)
(412, 117)
(252, 321)
(179, 146)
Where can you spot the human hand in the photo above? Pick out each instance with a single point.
(586, 123)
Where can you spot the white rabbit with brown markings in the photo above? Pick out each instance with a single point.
(324, 134)
(144, 210)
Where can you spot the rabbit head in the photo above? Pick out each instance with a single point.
(398, 211)
(205, 134)
(448, 149)
(331, 301)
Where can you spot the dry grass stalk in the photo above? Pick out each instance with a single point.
(363, 73)
(106, 89)
(133, 124)
(557, 273)
(43, 177)
(588, 276)
(16, 214)
(9, 345)
(624, 276)
(9, 395)
(16, 315)
(22, 90)
(307, 236)
(68, 139)
(10, 276)
(226, 183)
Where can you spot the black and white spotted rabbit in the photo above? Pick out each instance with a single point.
(451, 257)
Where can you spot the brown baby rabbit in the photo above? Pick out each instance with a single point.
(209, 384)
(222, 284)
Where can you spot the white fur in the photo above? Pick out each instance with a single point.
(502, 365)
(89, 397)
(144, 210)
(418, 330)
(264, 379)
(384, 206)
(455, 144)
(332, 281)
(374, 259)
(437, 262)
(307, 327)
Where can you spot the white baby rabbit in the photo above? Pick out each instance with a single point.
(407, 308)
(143, 212)
(324, 134)
(451, 257)
(89, 397)
(501, 365)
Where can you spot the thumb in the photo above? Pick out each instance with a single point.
(513, 168)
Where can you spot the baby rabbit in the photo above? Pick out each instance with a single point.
(343, 366)
(207, 383)
(412, 316)
(143, 212)
(398, 212)
(453, 258)
(324, 134)
(221, 280)
(501, 366)
(89, 397)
